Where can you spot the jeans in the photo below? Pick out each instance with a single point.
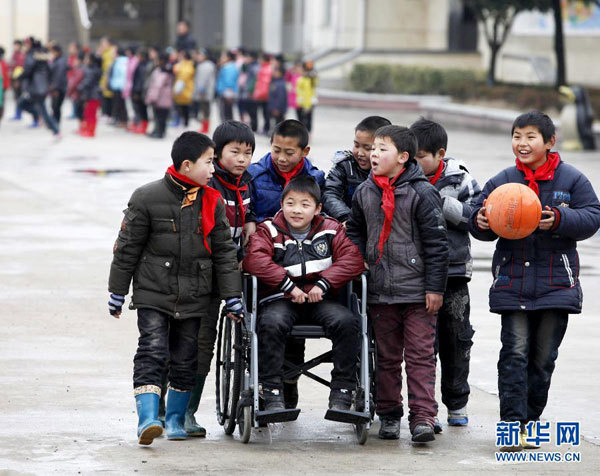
(405, 330)
(453, 344)
(530, 342)
(36, 106)
(56, 99)
(275, 322)
(164, 340)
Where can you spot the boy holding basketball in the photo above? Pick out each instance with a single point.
(536, 278)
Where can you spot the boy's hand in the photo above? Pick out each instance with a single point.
(249, 229)
(433, 302)
(234, 308)
(298, 296)
(366, 265)
(482, 221)
(547, 220)
(315, 294)
(115, 305)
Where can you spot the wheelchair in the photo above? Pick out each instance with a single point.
(238, 398)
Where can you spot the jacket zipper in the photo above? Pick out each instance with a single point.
(303, 261)
(567, 266)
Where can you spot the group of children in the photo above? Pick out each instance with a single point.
(397, 206)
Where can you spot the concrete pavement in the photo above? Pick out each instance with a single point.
(67, 404)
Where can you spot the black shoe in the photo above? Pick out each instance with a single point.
(273, 398)
(340, 399)
(422, 433)
(390, 428)
(290, 394)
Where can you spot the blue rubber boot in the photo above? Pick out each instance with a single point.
(148, 425)
(177, 403)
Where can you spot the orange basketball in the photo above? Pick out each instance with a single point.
(513, 211)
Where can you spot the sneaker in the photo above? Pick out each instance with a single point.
(437, 426)
(422, 433)
(458, 417)
(273, 398)
(340, 399)
(527, 445)
(390, 427)
(290, 394)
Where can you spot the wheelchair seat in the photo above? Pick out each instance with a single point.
(307, 331)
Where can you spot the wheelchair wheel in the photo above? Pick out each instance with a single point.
(229, 372)
(362, 433)
(245, 423)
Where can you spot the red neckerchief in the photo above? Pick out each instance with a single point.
(438, 174)
(209, 202)
(287, 176)
(388, 204)
(543, 172)
(238, 191)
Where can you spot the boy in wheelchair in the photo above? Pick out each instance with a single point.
(301, 260)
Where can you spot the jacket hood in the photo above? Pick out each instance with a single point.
(454, 167)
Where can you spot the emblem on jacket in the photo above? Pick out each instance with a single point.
(563, 197)
(321, 248)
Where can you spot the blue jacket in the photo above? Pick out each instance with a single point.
(227, 80)
(278, 96)
(541, 271)
(267, 185)
(118, 76)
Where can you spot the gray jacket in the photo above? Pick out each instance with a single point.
(459, 192)
(415, 256)
(204, 82)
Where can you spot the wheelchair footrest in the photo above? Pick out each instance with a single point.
(277, 416)
(347, 416)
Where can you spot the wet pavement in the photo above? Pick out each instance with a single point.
(65, 364)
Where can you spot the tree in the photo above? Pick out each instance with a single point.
(496, 17)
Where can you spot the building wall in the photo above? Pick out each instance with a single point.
(31, 19)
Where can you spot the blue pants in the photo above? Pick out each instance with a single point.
(530, 342)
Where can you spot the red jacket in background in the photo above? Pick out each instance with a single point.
(326, 257)
(5, 75)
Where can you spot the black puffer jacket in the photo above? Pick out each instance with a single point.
(341, 183)
(161, 246)
(415, 256)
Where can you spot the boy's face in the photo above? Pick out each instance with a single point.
(286, 153)
(299, 209)
(386, 160)
(428, 161)
(236, 157)
(200, 171)
(363, 146)
(529, 147)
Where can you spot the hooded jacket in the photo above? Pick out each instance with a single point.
(415, 256)
(325, 258)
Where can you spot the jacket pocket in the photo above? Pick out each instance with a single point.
(504, 269)
(564, 269)
(156, 273)
(205, 276)
(164, 225)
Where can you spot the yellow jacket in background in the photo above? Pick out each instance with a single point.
(183, 89)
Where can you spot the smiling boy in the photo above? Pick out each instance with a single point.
(302, 259)
(174, 235)
(536, 279)
(398, 225)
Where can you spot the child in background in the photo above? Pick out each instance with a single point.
(350, 169)
(261, 89)
(75, 76)
(306, 94)
(90, 94)
(459, 192)
(159, 95)
(204, 88)
(227, 85)
(397, 223)
(291, 79)
(277, 97)
(536, 279)
(137, 92)
(183, 90)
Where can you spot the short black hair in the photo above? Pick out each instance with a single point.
(537, 119)
(190, 146)
(403, 138)
(230, 55)
(292, 128)
(232, 131)
(372, 123)
(57, 48)
(431, 136)
(303, 184)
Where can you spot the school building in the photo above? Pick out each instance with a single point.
(335, 33)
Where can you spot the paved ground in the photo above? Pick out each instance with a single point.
(66, 402)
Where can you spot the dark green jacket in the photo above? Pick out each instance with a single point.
(161, 246)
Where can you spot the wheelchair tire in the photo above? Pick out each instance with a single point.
(228, 372)
(245, 423)
(362, 433)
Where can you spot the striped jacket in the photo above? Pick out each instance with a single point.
(459, 192)
(325, 258)
(230, 197)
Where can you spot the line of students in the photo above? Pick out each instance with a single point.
(397, 206)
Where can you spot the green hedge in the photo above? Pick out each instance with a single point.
(458, 83)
